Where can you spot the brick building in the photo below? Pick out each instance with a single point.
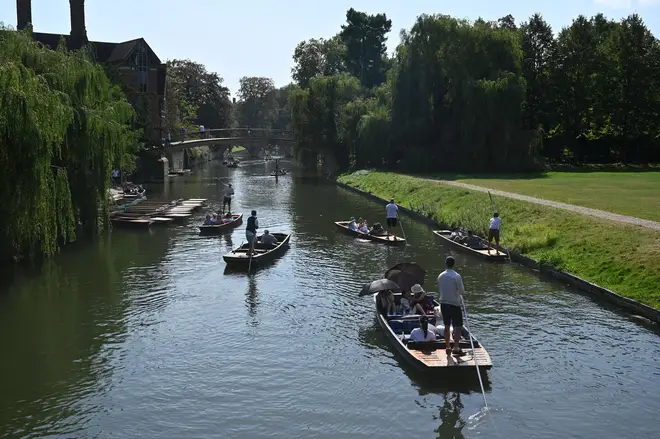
(131, 64)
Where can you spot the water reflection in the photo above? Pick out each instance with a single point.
(252, 301)
(452, 423)
(228, 240)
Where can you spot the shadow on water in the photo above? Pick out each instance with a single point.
(252, 301)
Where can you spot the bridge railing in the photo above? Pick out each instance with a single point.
(219, 133)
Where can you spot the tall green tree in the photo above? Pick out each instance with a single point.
(538, 48)
(366, 54)
(317, 57)
(256, 104)
(199, 96)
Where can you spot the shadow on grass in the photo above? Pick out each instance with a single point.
(451, 176)
(610, 167)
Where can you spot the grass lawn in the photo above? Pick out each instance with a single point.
(625, 259)
(626, 193)
(238, 149)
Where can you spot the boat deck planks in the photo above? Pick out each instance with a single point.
(439, 357)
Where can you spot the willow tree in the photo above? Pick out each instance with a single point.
(457, 96)
(63, 128)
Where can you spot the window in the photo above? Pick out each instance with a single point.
(139, 59)
(139, 64)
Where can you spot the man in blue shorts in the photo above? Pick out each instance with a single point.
(392, 212)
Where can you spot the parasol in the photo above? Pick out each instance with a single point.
(379, 285)
(406, 274)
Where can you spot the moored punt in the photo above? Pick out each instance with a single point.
(158, 220)
(239, 257)
(431, 356)
(483, 253)
(385, 239)
(216, 229)
(131, 222)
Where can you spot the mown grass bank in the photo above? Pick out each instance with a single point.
(626, 193)
(624, 259)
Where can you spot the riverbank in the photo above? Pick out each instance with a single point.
(624, 259)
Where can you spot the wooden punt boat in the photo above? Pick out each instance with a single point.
(385, 239)
(482, 253)
(431, 356)
(132, 222)
(216, 229)
(239, 257)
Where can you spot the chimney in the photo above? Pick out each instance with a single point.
(78, 30)
(23, 13)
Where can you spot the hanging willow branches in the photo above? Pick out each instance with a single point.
(63, 128)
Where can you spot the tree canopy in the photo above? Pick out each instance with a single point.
(195, 96)
(478, 96)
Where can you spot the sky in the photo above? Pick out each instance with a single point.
(257, 37)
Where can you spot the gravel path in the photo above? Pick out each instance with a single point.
(572, 207)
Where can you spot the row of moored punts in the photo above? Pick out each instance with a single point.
(148, 213)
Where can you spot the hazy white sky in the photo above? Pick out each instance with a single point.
(257, 37)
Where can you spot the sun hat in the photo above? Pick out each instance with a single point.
(417, 288)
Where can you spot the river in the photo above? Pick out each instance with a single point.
(142, 334)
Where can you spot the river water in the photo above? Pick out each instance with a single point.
(143, 334)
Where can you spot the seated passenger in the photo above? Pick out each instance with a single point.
(377, 229)
(364, 227)
(214, 219)
(458, 236)
(268, 239)
(352, 225)
(474, 241)
(405, 307)
(420, 301)
(385, 302)
(423, 333)
(207, 220)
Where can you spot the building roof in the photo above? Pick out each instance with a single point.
(103, 51)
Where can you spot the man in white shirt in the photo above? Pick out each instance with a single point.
(451, 290)
(425, 332)
(494, 231)
(392, 212)
(226, 200)
(352, 225)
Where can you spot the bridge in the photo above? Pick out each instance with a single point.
(255, 140)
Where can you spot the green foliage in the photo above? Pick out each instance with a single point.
(256, 107)
(63, 128)
(623, 259)
(195, 96)
(477, 96)
(364, 37)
